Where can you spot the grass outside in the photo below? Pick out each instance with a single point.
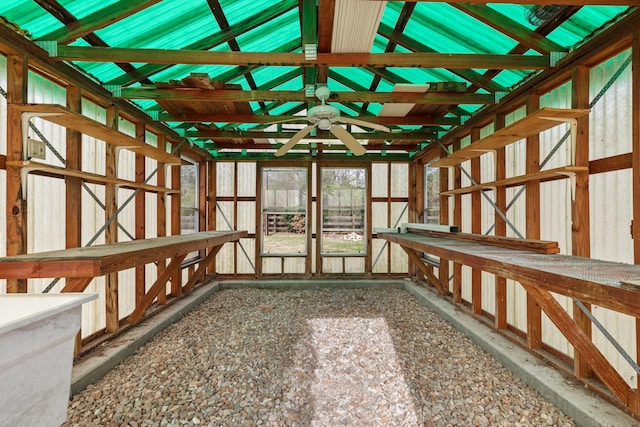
(294, 243)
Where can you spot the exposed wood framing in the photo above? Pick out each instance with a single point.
(476, 227)
(111, 231)
(16, 213)
(457, 220)
(176, 278)
(580, 236)
(500, 310)
(140, 212)
(532, 209)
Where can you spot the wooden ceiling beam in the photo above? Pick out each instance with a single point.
(417, 59)
(471, 76)
(99, 19)
(64, 16)
(510, 28)
(316, 146)
(227, 134)
(263, 119)
(209, 42)
(299, 96)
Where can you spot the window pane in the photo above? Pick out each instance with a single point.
(432, 195)
(343, 211)
(189, 199)
(284, 211)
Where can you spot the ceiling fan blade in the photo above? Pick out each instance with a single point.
(294, 140)
(363, 123)
(348, 140)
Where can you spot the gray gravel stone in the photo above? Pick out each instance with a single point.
(335, 357)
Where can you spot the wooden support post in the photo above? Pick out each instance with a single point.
(259, 219)
(500, 317)
(443, 271)
(16, 213)
(532, 215)
(73, 189)
(308, 261)
(580, 236)
(211, 205)
(368, 261)
(176, 278)
(161, 215)
(140, 213)
(416, 201)
(635, 120)
(111, 232)
(457, 220)
(581, 342)
(235, 215)
(476, 228)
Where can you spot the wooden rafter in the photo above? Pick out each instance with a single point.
(298, 96)
(510, 28)
(99, 19)
(64, 16)
(416, 46)
(221, 19)
(264, 119)
(206, 43)
(417, 59)
(214, 133)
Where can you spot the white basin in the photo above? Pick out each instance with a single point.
(37, 336)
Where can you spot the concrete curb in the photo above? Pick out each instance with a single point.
(313, 284)
(584, 408)
(95, 366)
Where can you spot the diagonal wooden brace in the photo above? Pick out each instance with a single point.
(581, 342)
(202, 267)
(159, 284)
(426, 270)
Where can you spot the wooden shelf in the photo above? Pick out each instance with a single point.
(542, 176)
(99, 260)
(64, 117)
(93, 178)
(536, 122)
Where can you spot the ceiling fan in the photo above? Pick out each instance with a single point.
(327, 117)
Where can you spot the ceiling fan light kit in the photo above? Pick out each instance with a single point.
(327, 117)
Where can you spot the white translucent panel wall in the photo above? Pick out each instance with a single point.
(224, 179)
(622, 328)
(246, 179)
(399, 259)
(354, 265)
(611, 211)
(246, 262)
(294, 265)
(246, 216)
(610, 117)
(399, 179)
(224, 259)
(379, 173)
(332, 265)
(610, 135)
(379, 214)
(380, 256)
(516, 305)
(399, 213)
(551, 336)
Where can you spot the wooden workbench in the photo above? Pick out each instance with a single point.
(80, 265)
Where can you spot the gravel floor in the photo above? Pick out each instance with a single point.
(311, 358)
